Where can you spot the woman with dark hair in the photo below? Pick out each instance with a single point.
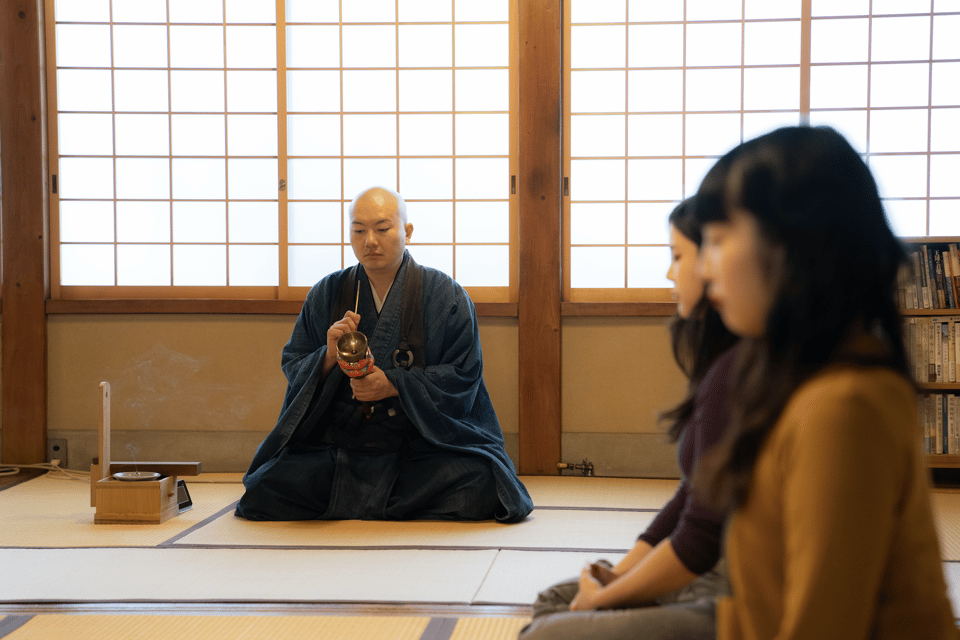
(832, 534)
(666, 586)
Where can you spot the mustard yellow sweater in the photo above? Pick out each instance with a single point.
(836, 539)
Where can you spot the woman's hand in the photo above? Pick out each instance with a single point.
(590, 585)
(602, 574)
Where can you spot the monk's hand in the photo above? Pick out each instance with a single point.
(348, 323)
(587, 593)
(373, 387)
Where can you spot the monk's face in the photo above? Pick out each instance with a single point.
(377, 234)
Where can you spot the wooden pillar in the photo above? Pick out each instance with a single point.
(538, 190)
(24, 239)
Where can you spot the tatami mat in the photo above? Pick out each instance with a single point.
(241, 575)
(599, 493)
(488, 628)
(134, 627)
(54, 512)
(174, 627)
(207, 555)
(951, 571)
(516, 577)
(543, 529)
(946, 511)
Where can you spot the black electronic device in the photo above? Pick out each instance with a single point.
(183, 496)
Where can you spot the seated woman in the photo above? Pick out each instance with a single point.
(676, 563)
(832, 534)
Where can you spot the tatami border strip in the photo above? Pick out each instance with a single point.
(270, 547)
(11, 481)
(219, 514)
(11, 623)
(397, 547)
(439, 629)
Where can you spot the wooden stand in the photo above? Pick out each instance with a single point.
(136, 502)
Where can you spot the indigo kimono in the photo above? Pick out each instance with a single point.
(446, 399)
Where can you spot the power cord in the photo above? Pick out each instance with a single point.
(53, 468)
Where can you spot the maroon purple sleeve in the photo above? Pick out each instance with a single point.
(695, 531)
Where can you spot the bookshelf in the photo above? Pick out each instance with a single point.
(937, 374)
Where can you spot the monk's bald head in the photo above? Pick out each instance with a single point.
(386, 200)
(379, 233)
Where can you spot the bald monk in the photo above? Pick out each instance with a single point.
(432, 446)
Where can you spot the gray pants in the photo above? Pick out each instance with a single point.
(685, 614)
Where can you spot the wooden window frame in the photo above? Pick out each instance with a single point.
(282, 298)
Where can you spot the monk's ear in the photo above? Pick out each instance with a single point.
(409, 229)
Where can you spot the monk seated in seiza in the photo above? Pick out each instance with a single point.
(417, 437)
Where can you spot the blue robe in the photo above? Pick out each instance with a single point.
(446, 400)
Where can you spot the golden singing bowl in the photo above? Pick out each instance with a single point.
(352, 346)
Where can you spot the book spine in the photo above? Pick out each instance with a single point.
(925, 277)
(956, 340)
(920, 363)
(903, 297)
(910, 336)
(929, 362)
(945, 437)
(938, 275)
(938, 420)
(951, 446)
(955, 269)
(955, 441)
(951, 350)
(944, 351)
(936, 343)
(917, 278)
(948, 280)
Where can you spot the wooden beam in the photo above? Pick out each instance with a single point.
(24, 249)
(540, 27)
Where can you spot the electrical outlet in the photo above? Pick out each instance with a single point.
(57, 450)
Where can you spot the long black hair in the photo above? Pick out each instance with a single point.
(816, 203)
(697, 340)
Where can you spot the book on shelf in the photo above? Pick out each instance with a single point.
(921, 297)
(948, 280)
(955, 270)
(939, 416)
(931, 277)
(938, 424)
(933, 347)
(950, 426)
(937, 257)
(935, 357)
